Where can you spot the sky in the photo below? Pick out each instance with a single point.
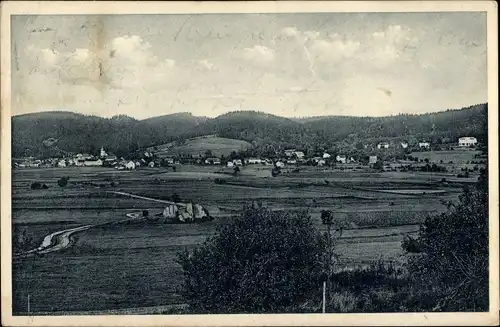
(293, 65)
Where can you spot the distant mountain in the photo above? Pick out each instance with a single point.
(53, 133)
(79, 133)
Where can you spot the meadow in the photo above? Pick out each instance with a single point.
(198, 145)
(127, 265)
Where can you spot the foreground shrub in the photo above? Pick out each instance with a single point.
(263, 261)
(454, 256)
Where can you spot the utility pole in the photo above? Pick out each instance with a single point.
(324, 296)
(28, 304)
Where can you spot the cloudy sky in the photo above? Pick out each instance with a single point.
(285, 64)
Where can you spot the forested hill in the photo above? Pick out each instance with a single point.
(52, 133)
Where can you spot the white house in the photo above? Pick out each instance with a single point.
(291, 161)
(321, 162)
(230, 164)
(254, 161)
(151, 164)
(341, 159)
(212, 161)
(299, 154)
(289, 152)
(326, 155)
(383, 145)
(103, 153)
(280, 164)
(404, 145)
(137, 164)
(424, 144)
(61, 163)
(130, 165)
(92, 163)
(467, 141)
(237, 162)
(372, 159)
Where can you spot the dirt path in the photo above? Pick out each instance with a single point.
(57, 241)
(145, 198)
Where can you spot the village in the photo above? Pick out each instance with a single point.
(385, 156)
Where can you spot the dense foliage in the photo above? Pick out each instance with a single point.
(453, 247)
(263, 261)
(54, 133)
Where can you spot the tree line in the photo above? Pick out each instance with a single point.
(267, 133)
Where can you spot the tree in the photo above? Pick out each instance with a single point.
(176, 198)
(208, 153)
(454, 247)
(263, 261)
(62, 182)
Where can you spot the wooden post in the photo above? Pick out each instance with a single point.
(324, 296)
(28, 303)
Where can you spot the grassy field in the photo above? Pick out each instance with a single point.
(133, 265)
(197, 146)
(456, 156)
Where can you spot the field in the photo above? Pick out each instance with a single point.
(455, 156)
(127, 265)
(197, 146)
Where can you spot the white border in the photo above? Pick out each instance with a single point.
(146, 7)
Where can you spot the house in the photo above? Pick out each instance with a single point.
(467, 141)
(151, 164)
(102, 153)
(291, 161)
(237, 162)
(137, 164)
(424, 144)
(326, 155)
(289, 152)
(84, 156)
(299, 154)
(130, 165)
(230, 164)
(268, 162)
(61, 163)
(253, 161)
(321, 162)
(280, 164)
(92, 163)
(341, 159)
(404, 145)
(383, 145)
(372, 159)
(212, 161)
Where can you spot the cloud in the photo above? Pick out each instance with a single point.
(132, 64)
(290, 31)
(332, 51)
(258, 54)
(206, 65)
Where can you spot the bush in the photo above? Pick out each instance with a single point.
(219, 181)
(176, 198)
(454, 249)
(36, 186)
(263, 261)
(63, 181)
